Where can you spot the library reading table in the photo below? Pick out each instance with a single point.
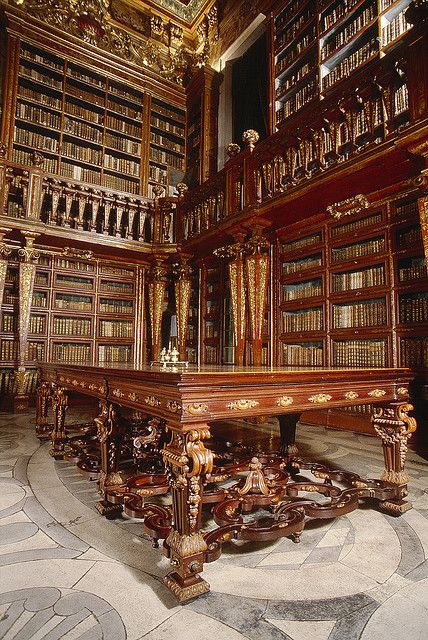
(184, 402)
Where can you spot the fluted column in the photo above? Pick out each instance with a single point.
(183, 291)
(257, 278)
(156, 292)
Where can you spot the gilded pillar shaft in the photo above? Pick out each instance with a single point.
(237, 293)
(156, 293)
(183, 289)
(423, 215)
(257, 275)
(27, 274)
(3, 269)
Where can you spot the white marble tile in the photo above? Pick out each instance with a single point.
(334, 536)
(193, 626)
(294, 556)
(312, 630)
(38, 541)
(20, 516)
(419, 525)
(376, 552)
(40, 573)
(387, 589)
(301, 584)
(10, 495)
(142, 602)
(404, 615)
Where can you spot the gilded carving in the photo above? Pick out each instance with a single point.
(284, 401)
(402, 391)
(118, 393)
(348, 206)
(351, 395)
(196, 408)
(395, 427)
(242, 405)
(320, 398)
(152, 401)
(377, 393)
(173, 406)
(77, 253)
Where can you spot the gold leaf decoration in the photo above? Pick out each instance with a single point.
(242, 405)
(284, 401)
(376, 393)
(351, 395)
(320, 398)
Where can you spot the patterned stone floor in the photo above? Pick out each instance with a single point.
(65, 572)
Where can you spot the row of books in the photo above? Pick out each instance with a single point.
(41, 279)
(211, 330)
(288, 35)
(292, 55)
(83, 76)
(290, 106)
(63, 280)
(75, 302)
(166, 158)
(306, 320)
(91, 115)
(116, 306)
(355, 225)
(9, 382)
(116, 329)
(166, 142)
(114, 353)
(339, 10)
(37, 115)
(300, 243)
(414, 352)
(301, 290)
(37, 324)
(87, 96)
(36, 140)
(30, 72)
(37, 96)
(40, 299)
(71, 352)
(121, 184)
(36, 351)
(395, 28)
(41, 58)
(122, 126)
(84, 154)
(414, 309)
(292, 80)
(75, 171)
(9, 296)
(311, 262)
(124, 110)
(410, 237)
(165, 125)
(359, 353)
(407, 209)
(78, 265)
(211, 356)
(117, 287)
(362, 314)
(123, 144)
(9, 350)
(9, 323)
(377, 245)
(401, 99)
(372, 277)
(83, 130)
(339, 38)
(163, 110)
(72, 326)
(302, 355)
(287, 13)
(351, 62)
(123, 165)
(158, 174)
(124, 92)
(414, 272)
(116, 271)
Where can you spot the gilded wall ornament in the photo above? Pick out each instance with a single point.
(284, 401)
(242, 405)
(348, 206)
(320, 398)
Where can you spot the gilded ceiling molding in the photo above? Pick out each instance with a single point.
(155, 45)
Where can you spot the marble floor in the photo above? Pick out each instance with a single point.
(65, 572)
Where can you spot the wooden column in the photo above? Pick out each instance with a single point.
(156, 291)
(183, 290)
(4, 253)
(257, 278)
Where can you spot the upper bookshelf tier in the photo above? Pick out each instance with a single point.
(317, 43)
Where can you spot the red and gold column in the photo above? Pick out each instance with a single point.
(156, 291)
(257, 279)
(183, 291)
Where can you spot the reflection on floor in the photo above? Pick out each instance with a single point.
(65, 572)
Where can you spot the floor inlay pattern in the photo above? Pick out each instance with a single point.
(65, 572)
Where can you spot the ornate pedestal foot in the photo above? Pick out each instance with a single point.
(188, 462)
(394, 426)
(110, 437)
(59, 410)
(287, 426)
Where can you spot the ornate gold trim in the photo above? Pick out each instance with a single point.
(196, 408)
(242, 405)
(320, 398)
(152, 401)
(402, 391)
(118, 393)
(173, 406)
(284, 401)
(376, 393)
(348, 206)
(351, 395)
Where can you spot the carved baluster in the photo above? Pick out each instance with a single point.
(278, 173)
(95, 201)
(394, 426)
(55, 194)
(110, 435)
(142, 214)
(69, 197)
(108, 200)
(82, 199)
(156, 291)
(132, 209)
(58, 434)
(22, 182)
(188, 462)
(119, 222)
(221, 202)
(44, 393)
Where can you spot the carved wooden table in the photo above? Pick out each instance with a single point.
(188, 401)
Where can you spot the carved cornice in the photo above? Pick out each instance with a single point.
(152, 44)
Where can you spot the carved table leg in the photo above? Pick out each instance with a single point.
(287, 426)
(394, 426)
(43, 395)
(188, 461)
(110, 437)
(59, 410)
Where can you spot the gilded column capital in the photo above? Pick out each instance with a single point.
(28, 253)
